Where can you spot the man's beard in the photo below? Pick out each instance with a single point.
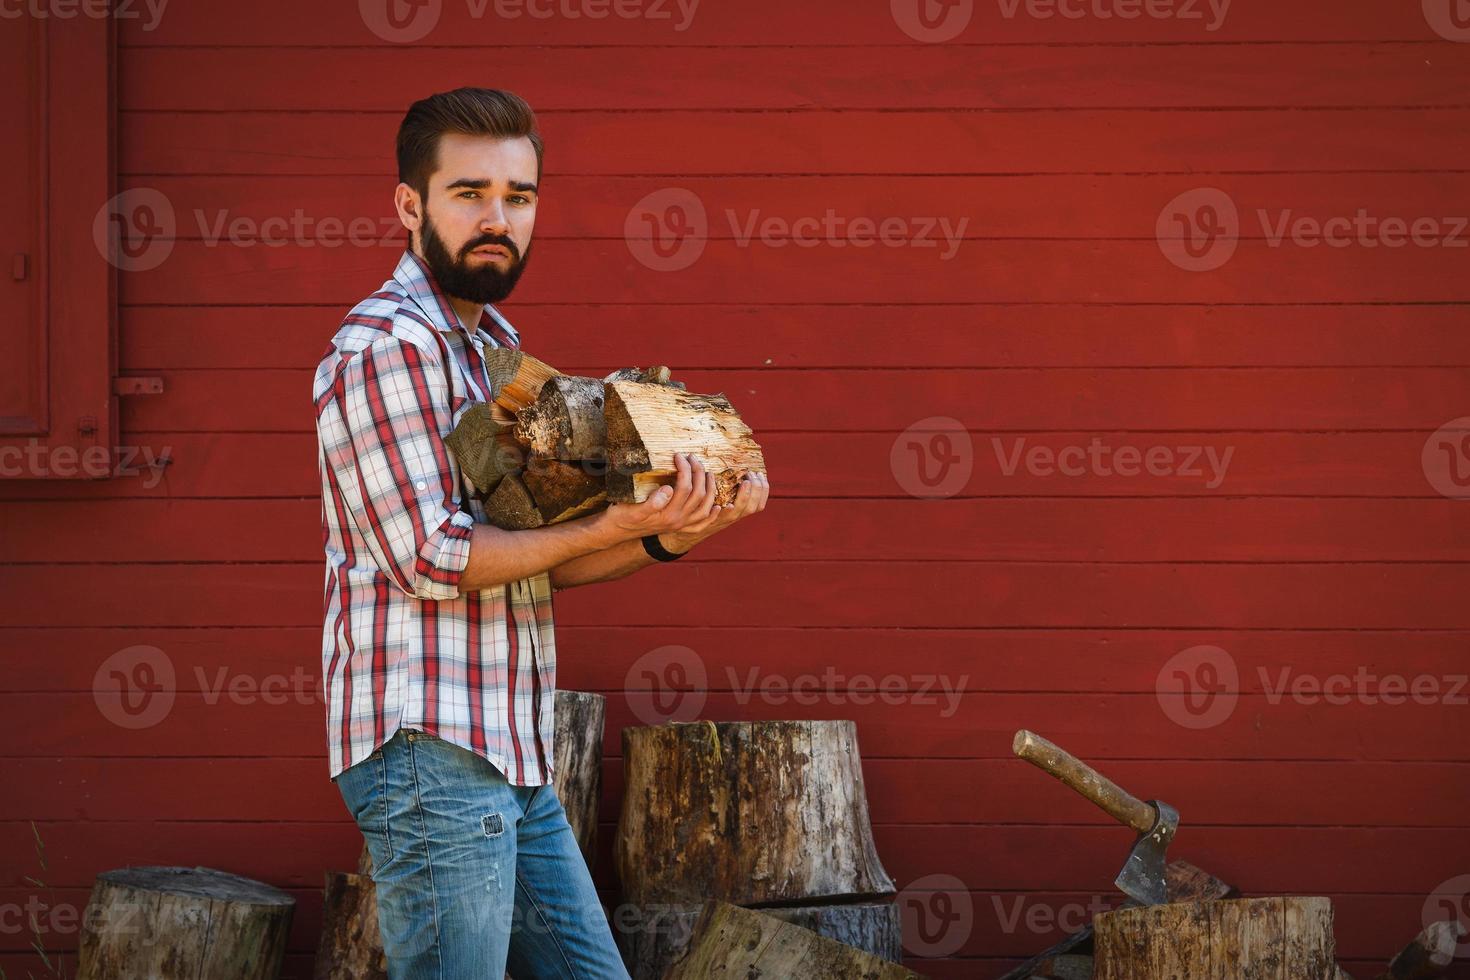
(487, 283)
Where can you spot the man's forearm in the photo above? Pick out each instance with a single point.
(498, 557)
(620, 560)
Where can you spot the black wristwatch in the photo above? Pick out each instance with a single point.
(656, 550)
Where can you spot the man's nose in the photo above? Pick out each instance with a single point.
(492, 219)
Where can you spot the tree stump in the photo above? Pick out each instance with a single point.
(1242, 939)
(752, 812)
(577, 754)
(654, 938)
(182, 924)
(351, 947)
(730, 941)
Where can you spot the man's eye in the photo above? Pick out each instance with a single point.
(469, 194)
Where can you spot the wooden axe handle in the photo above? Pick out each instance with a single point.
(1090, 784)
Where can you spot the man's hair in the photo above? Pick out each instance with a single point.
(469, 111)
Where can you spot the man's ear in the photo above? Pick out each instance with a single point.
(410, 207)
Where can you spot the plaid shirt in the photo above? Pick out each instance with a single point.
(401, 647)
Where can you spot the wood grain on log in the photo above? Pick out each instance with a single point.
(516, 378)
(752, 812)
(648, 423)
(653, 938)
(730, 941)
(1254, 938)
(181, 924)
(485, 449)
(510, 507)
(565, 490)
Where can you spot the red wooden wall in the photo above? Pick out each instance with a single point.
(1057, 601)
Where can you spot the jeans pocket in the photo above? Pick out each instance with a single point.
(364, 789)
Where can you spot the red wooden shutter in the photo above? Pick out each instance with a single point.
(58, 417)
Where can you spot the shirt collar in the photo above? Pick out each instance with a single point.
(418, 285)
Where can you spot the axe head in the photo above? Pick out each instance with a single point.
(1142, 878)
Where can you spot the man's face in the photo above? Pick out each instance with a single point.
(475, 221)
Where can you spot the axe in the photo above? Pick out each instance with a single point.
(1142, 877)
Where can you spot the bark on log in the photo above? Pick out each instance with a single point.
(1429, 955)
(351, 947)
(1249, 939)
(516, 378)
(577, 755)
(1186, 883)
(730, 941)
(564, 490)
(653, 938)
(486, 449)
(753, 813)
(648, 423)
(566, 421)
(181, 924)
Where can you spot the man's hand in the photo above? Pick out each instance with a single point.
(750, 498)
(690, 500)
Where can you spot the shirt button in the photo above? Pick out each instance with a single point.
(421, 485)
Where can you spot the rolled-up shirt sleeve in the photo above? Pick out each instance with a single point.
(394, 405)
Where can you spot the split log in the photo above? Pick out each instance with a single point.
(658, 375)
(577, 756)
(183, 923)
(1186, 883)
(516, 378)
(564, 490)
(566, 421)
(729, 810)
(730, 941)
(485, 448)
(653, 938)
(510, 507)
(350, 947)
(1429, 955)
(1260, 938)
(648, 423)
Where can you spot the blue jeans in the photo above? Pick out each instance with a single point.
(474, 875)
